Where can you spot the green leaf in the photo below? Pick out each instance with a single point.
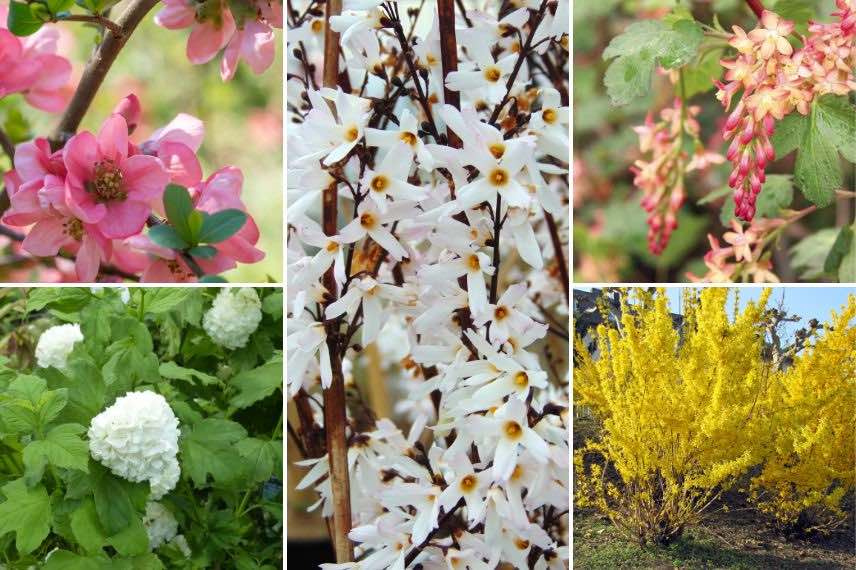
(840, 248)
(166, 236)
(272, 305)
(776, 194)
(165, 299)
(57, 6)
(258, 383)
(65, 560)
(61, 447)
(86, 528)
(835, 119)
(27, 513)
(178, 206)
(202, 251)
(65, 299)
(118, 502)
(847, 269)
(21, 20)
(132, 540)
(700, 75)
(173, 371)
(208, 448)
(263, 457)
(789, 134)
(809, 254)
(641, 47)
(212, 279)
(221, 225)
(817, 170)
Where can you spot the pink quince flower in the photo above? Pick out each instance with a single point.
(107, 187)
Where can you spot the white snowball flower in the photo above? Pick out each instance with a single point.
(160, 524)
(233, 317)
(137, 439)
(56, 344)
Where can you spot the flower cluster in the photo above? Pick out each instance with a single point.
(233, 317)
(744, 256)
(56, 344)
(243, 29)
(453, 187)
(776, 80)
(94, 197)
(32, 67)
(137, 439)
(661, 178)
(160, 524)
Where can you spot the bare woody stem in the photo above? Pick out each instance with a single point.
(334, 397)
(97, 67)
(449, 57)
(97, 20)
(756, 6)
(7, 145)
(560, 255)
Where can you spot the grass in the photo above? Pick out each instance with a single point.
(731, 546)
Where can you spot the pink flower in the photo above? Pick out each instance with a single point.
(248, 38)
(108, 188)
(31, 66)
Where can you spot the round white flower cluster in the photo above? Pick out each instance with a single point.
(56, 344)
(137, 439)
(160, 524)
(233, 317)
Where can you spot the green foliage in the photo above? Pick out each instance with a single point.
(25, 19)
(643, 46)
(54, 495)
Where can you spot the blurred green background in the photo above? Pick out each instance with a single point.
(243, 117)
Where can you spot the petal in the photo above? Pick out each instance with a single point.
(181, 163)
(88, 260)
(124, 219)
(145, 178)
(45, 238)
(80, 154)
(113, 139)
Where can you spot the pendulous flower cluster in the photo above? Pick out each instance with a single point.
(94, 197)
(32, 67)
(661, 178)
(233, 317)
(776, 80)
(56, 343)
(243, 29)
(137, 439)
(449, 265)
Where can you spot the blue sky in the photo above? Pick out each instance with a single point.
(806, 302)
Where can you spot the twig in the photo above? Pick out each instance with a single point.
(191, 263)
(449, 57)
(756, 6)
(334, 397)
(497, 228)
(560, 255)
(7, 144)
(96, 70)
(411, 556)
(96, 19)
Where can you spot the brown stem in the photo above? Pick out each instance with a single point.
(449, 57)
(7, 145)
(463, 11)
(521, 57)
(560, 255)
(96, 70)
(334, 397)
(411, 556)
(756, 6)
(497, 228)
(97, 20)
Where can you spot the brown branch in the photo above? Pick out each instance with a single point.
(411, 556)
(96, 70)
(335, 418)
(560, 255)
(97, 20)
(449, 57)
(7, 145)
(756, 6)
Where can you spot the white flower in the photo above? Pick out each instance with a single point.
(137, 439)
(56, 344)
(160, 524)
(233, 317)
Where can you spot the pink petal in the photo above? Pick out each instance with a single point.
(88, 260)
(181, 163)
(124, 219)
(25, 206)
(113, 139)
(31, 160)
(45, 238)
(80, 203)
(258, 46)
(175, 15)
(222, 190)
(80, 154)
(206, 39)
(48, 101)
(55, 73)
(145, 177)
(184, 128)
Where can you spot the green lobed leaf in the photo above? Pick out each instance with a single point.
(86, 528)
(65, 299)
(272, 305)
(173, 371)
(61, 447)
(644, 45)
(21, 20)
(263, 457)
(789, 134)
(118, 502)
(27, 513)
(258, 383)
(221, 225)
(167, 236)
(836, 119)
(208, 448)
(817, 170)
(809, 254)
(839, 251)
(166, 299)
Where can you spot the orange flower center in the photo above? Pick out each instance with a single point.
(332, 246)
(497, 149)
(498, 177)
(521, 379)
(521, 543)
(513, 429)
(107, 182)
(500, 313)
(549, 116)
(492, 74)
(317, 25)
(408, 137)
(468, 483)
(351, 134)
(473, 262)
(367, 220)
(379, 183)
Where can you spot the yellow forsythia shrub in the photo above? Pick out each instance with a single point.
(680, 409)
(812, 419)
